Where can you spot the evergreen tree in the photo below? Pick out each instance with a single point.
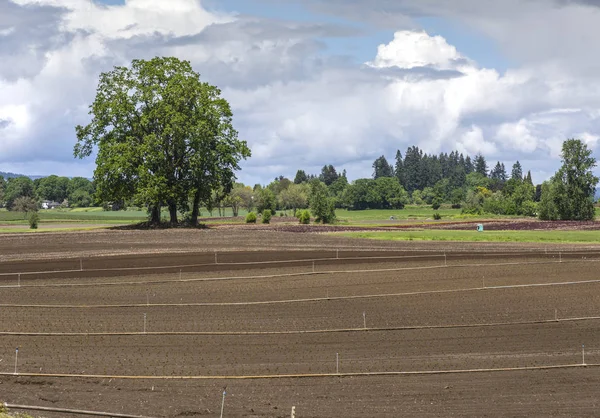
(413, 172)
(328, 175)
(381, 168)
(481, 165)
(517, 172)
(301, 177)
(528, 178)
(399, 169)
(469, 167)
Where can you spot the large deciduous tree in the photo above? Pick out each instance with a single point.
(569, 195)
(163, 136)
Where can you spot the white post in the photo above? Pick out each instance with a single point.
(560, 257)
(144, 323)
(556, 314)
(313, 266)
(179, 274)
(293, 412)
(337, 253)
(337, 363)
(19, 280)
(365, 320)
(223, 403)
(484, 282)
(216, 260)
(583, 354)
(445, 260)
(16, 358)
(80, 264)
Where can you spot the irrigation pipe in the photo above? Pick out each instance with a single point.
(301, 375)
(281, 275)
(69, 411)
(296, 332)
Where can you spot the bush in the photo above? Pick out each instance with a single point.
(304, 217)
(33, 219)
(437, 203)
(437, 216)
(266, 216)
(251, 218)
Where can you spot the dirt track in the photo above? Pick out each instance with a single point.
(424, 312)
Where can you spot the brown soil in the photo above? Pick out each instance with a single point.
(394, 290)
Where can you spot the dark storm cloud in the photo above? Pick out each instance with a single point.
(26, 34)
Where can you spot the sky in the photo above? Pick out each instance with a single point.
(315, 82)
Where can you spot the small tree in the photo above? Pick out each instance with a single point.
(251, 218)
(321, 205)
(25, 204)
(33, 219)
(266, 216)
(304, 217)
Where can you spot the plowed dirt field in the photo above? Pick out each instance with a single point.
(156, 323)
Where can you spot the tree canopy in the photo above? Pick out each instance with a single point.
(569, 194)
(163, 136)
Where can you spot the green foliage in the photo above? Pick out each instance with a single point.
(25, 204)
(80, 199)
(265, 199)
(437, 216)
(251, 218)
(2, 190)
(381, 168)
(294, 197)
(162, 136)
(328, 175)
(321, 205)
(304, 217)
(17, 187)
(33, 219)
(266, 216)
(437, 203)
(382, 193)
(569, 194)
(301, 177)
(52, 188)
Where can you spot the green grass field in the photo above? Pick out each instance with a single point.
(486, 236)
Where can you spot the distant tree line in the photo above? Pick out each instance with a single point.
(446, 179)
(69, 192)
(417, 178)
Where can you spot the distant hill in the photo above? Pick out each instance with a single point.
(10, 175)
(13, 175)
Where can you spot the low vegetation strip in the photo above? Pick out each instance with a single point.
(563, 237)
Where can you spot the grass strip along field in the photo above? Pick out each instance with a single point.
(485, 236)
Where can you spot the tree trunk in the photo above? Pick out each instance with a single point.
(173, 212)
(155, 214)
(195, 208)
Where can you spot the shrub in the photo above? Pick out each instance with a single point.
(251, 218)
(437, 203)
(266, 216)
(33, 219)
(304, 217)
(437, 216)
